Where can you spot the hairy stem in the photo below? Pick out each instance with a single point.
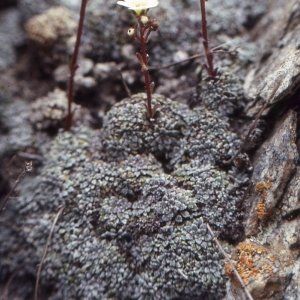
(145, 71)
(73, 64)
(209, 56)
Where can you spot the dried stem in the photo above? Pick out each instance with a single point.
(36, 291)
(27, 168)
(176, 63)
(231, 264)
(7, 286)
(213, 50)
(73, 65)
(209, 56)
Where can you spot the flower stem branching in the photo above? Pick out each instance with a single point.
(142, 30)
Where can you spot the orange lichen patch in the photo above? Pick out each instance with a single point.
(246, 268)
(262, 187)
(261, 210)
(249, 249)
(267, 269)
(245, 264)
(246, 261)
(228, 269)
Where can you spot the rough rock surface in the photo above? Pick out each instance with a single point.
(280, 52)
(275, 166)
(272, 219)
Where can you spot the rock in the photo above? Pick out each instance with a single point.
(11, 35)
(14, 119)
(81, 78)
(280, 52)
(274, 166)
(272, 221)
(105, 71)
(85, 67)
(258, 267)
(47, 28)
(290, 205)
(50, 112)
(28, 10)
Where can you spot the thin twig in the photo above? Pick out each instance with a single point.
(73, 64)
(27, 168)
(230, 262)
(213, 50)
(253, 125)
(10, 161)
(7, 286)
(45, 253)
(176, 63)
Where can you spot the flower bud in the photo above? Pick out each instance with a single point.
(154, 25)
(144, 20)
(131, 31)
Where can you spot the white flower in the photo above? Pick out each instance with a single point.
(138, 5)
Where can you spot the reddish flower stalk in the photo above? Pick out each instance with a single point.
(142, 38)
(209, 56)
(142, 32)
(73, 66)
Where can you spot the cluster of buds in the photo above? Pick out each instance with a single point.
(141, 31)
(147, 25)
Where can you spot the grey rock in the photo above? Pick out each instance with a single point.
(85, 67)
(291, 201)
(105, 71)
(273, 169)
(281, 53)
(11, 35)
